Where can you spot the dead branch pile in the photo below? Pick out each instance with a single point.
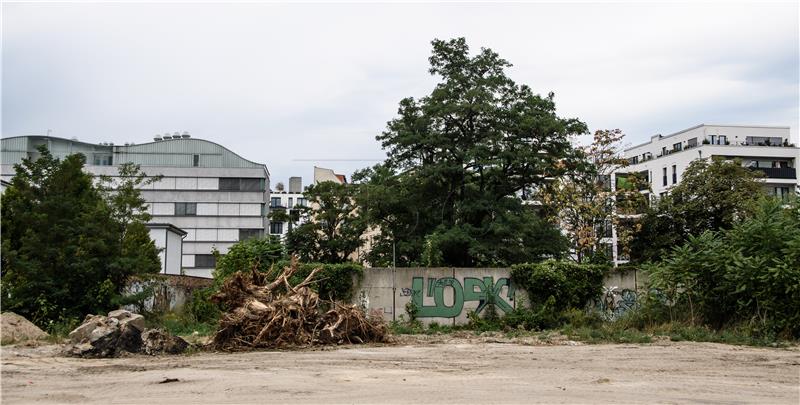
(275, 314)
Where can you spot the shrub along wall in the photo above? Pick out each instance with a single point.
(571, 285)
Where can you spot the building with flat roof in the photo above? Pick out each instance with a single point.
(292, 201)
(216, 196)
(663, 159)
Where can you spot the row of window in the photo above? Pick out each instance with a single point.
(249, 184)
(241, 184)
(183, 209)
(275, 202)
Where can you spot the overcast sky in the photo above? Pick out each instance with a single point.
(298, 85)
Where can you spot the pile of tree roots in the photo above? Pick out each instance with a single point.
(278, 314)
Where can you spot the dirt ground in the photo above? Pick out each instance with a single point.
(415, 371)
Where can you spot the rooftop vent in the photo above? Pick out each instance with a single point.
(157, 138)
(185, 135)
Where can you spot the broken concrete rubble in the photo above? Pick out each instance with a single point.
(119, 332)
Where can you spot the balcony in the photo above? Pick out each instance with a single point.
(778, 172)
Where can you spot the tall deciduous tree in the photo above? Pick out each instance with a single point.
(65, 250)
(332, 227)
(458, 161)
(712, 195)
(585, 202)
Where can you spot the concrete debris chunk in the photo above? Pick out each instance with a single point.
(157, 341)
(120, 332)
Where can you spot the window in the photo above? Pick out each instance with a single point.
(664, 173)
(691, 143)
(674, 174)
(677, 147)
(663, 151)
(723, 140)
(241, 184)
(291, 202)
(245, 234)
(276, 228)
(103, 160)
(764, 140)
(205, 261)
(185, 209)
(301, 202)
(274, 202)
(195, 160)
(782, 193)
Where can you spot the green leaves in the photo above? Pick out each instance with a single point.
(711, 196)
(333, 226)
(458, 159)
(69, 247)
(749, 273)
(260, 253)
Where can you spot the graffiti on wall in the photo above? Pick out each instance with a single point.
(615, 302)
(484, 291)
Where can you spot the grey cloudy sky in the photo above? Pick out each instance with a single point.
(292, 84)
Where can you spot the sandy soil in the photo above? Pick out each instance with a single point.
(419, 372)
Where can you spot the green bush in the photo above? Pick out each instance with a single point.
(200, 308)
(571, 285)
(748, 275)
(261, 253)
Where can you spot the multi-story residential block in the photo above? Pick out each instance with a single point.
(663, 159)
(290, 201)
(214, 195)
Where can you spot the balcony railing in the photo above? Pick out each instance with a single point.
(778, 172)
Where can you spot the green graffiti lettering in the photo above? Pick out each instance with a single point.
(474, 289)
(436, 289)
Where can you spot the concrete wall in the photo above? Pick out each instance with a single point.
(170, 293)
(446, 295)
(442, 295)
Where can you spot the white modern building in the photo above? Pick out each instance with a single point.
(289, 200)
(663, 159)
(216, 196)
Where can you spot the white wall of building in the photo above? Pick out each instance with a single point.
(673, 153)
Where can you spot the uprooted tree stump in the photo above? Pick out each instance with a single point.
(274, 314)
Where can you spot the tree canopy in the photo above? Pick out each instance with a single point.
(712, 195)
(332, 226)
(68, 246)
(459, 161)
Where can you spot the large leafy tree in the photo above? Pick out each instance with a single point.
(458, 161)
(66, 251)
(712, 195)
(586, 204)
(332, 228)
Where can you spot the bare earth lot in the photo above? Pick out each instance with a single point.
(466, 371)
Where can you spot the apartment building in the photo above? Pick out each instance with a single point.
(214, 195)
(289, 200)
(663, 159)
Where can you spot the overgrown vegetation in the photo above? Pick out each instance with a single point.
(69, 246)
(747, 275)
(569, 284)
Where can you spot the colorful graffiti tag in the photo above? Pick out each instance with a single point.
(483, 291)
(615, 302)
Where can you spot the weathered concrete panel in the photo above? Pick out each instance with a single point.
(442, 295)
